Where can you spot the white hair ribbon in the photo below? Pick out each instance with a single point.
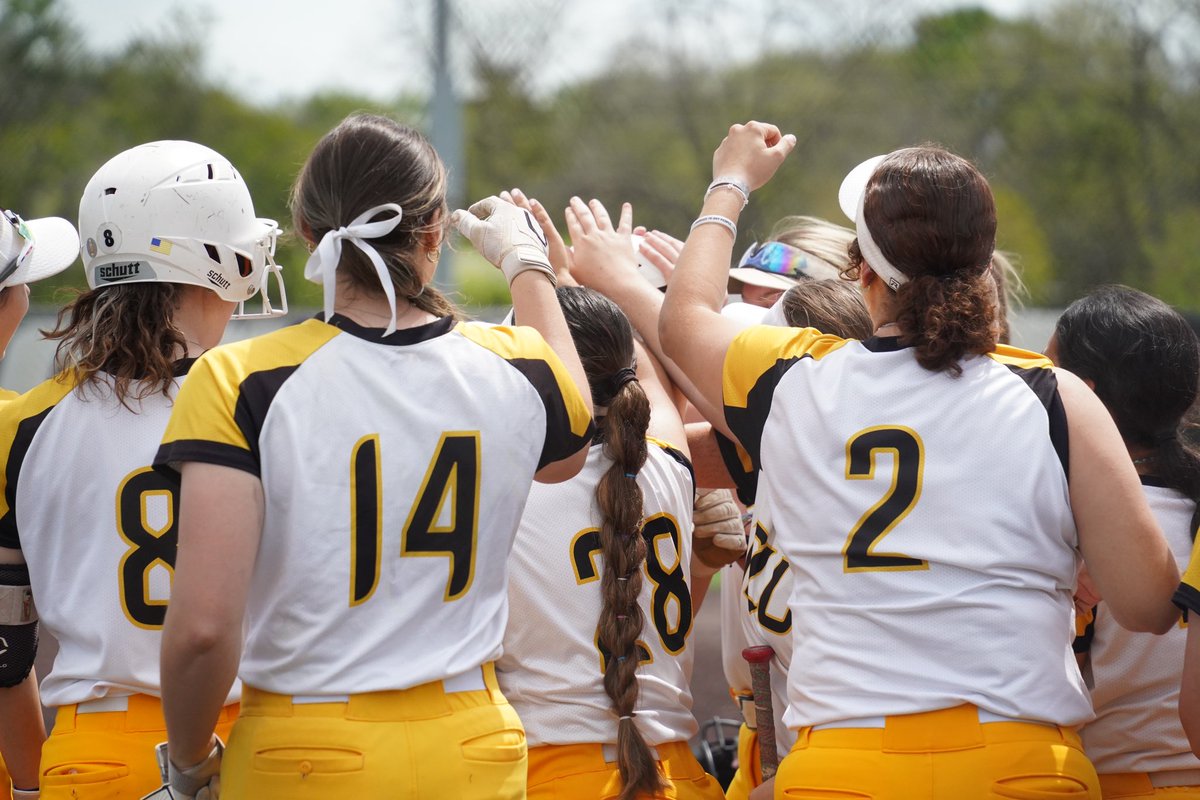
(871, 252)
(323, 263)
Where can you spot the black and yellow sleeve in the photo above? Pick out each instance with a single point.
(754, 364)
(20, 418)
(223, 403)
(568, 422)
(740, 469)
(1187, 596)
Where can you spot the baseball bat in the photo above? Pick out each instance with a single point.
(759, 658)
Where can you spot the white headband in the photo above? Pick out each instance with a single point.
(322, 264)
(871, 252)
(851, 196)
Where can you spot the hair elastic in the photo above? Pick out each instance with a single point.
(630, 474)
(323, 263)
(615, 382)
(1166, 437)
(627, 716)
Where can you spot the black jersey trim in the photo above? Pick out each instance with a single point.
(745, 482)
(679, 457)
(1044, 384)
(1187, 599)
(747, 423)
(1155, 481)
(1082, 643)
(884, 344)
(401, 337)
(255, 395)
(560, 441)
(22, 440)
(183, 366)
(184, 450)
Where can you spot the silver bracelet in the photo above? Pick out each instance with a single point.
(733, 183)
(716, 219)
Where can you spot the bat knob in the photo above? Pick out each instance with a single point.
(760, 654)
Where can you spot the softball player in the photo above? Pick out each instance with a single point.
(171, 245)
(918, 485)
(29, 251)
(596, 658)
(351, 487)
(758, 610)
(1142, 359)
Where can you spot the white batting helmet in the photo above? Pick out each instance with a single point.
(177, 212)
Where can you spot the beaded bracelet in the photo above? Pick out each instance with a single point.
(716, 219)
(733, 183)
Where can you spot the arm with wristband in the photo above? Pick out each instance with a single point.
(511, 239)
(750, 154)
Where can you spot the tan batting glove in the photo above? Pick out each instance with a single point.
(719, 539)
(198, 782)
(505, 235)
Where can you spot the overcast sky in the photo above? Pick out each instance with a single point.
(269, 50)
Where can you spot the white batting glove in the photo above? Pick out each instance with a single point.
(505, 235)
(719, 538)
(198, 782)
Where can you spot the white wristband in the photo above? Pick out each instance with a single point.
(741, 187)
(716, 219)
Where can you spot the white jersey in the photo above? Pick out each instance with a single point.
(97, 526)
(551, 670)
(766, 618)
(394, 470)
(1135, 677)
(927, 522)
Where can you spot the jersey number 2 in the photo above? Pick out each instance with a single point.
(450, 487)
(151, 542)
(908, 467)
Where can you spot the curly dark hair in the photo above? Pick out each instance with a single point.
(933, 217)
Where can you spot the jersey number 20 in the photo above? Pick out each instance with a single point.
(452, 478)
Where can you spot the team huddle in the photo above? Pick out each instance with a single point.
(388, 552)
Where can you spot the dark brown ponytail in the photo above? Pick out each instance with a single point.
(604, 340)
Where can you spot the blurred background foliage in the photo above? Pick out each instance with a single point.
(1083, 117)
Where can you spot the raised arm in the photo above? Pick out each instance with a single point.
(1127, 557)
(694, 334)
(511, 239)
(604, 261)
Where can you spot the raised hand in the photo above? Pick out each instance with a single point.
(661, 251)
(752, 153)
(603, 254)
(561, 258)
(506, 236)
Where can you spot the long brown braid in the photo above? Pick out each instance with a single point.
(604, 340)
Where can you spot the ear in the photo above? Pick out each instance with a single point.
(307, 234)
(866, 275)
(433, 238)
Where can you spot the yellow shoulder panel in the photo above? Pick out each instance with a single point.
(204, 409)
(21, 407)
(520, 342)
(1016, 357)
(758, 349)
